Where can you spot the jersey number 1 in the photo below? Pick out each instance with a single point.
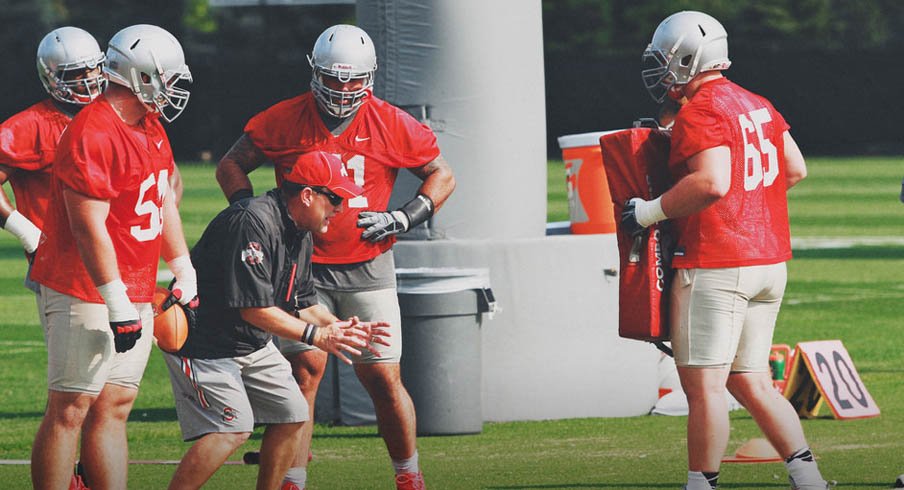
(355, 164)
(760, 161)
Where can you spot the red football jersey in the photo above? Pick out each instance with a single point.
(381, 139)
(102, 157)
(28, 143)
(749, 225)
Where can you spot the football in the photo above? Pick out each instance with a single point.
(170, 325)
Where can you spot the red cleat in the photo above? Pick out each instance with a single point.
(287, 485)
(410, 481)
(78, 481)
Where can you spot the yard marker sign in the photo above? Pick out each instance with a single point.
(823, 370)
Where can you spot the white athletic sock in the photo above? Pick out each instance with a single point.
(406, 465)
(297, 475)
(696, 480)
(803, 472)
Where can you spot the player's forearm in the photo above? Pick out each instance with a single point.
(231, 178)
(275, 321)
(795, 165)
(173, 237)
(176, 185)
(233, 169)
(6, 207)
(708, 181)
(318, 315)
(690, 195)
(439, 182)
(87, 220)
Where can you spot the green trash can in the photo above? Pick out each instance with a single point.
(442, 310)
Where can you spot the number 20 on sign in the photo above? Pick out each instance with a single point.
(823, 370)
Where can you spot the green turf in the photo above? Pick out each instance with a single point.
(852, 294)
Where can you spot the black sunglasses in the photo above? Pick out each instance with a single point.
(334, 199)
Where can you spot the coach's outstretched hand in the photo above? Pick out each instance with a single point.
(350, 336)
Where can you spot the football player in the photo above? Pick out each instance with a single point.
(111, 216)
(353, 263)
(70, 67)
(733, 160)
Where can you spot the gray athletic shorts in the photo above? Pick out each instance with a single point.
(726, 317)
(234, 393)
(378, 305)
(80, 353)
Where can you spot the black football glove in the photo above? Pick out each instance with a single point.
(629, 219)
(125, 334)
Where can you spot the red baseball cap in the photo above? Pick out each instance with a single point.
(321, 169)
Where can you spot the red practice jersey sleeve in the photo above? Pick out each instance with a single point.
(28, 143)
(101, 157)
(380, 140)
(749, 225)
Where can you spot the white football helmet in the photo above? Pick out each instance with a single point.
(684, 45)
(149, 61)
(63, 55)
(346, 53)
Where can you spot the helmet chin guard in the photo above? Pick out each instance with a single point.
(684, 45)
(344, 53)
(150, 62)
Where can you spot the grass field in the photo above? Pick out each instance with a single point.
(854, 294)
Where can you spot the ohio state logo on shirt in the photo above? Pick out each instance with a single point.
(252, 255)
(228, 414)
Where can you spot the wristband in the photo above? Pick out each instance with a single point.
(240, 194)
(182, 269)
(118, 303)
(649, 212)
(308, 336)
(186, 281)
(418, 210)
(22, 228)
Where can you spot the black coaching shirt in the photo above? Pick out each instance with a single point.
(250, 255)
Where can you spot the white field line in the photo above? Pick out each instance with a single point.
(811, 243)
(836, 298)
(9, 347)
(7, 462)
(22, 343)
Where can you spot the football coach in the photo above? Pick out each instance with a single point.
(254, 281)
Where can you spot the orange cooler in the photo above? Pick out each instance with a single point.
(589, 203)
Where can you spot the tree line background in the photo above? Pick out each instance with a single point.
(830, 66)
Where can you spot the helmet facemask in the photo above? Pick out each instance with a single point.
(66, 57)
(657, 78)
(684, 45)
(66, 86)
(343, 53)
(149, 61)
(163, 92)
(339, 103)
